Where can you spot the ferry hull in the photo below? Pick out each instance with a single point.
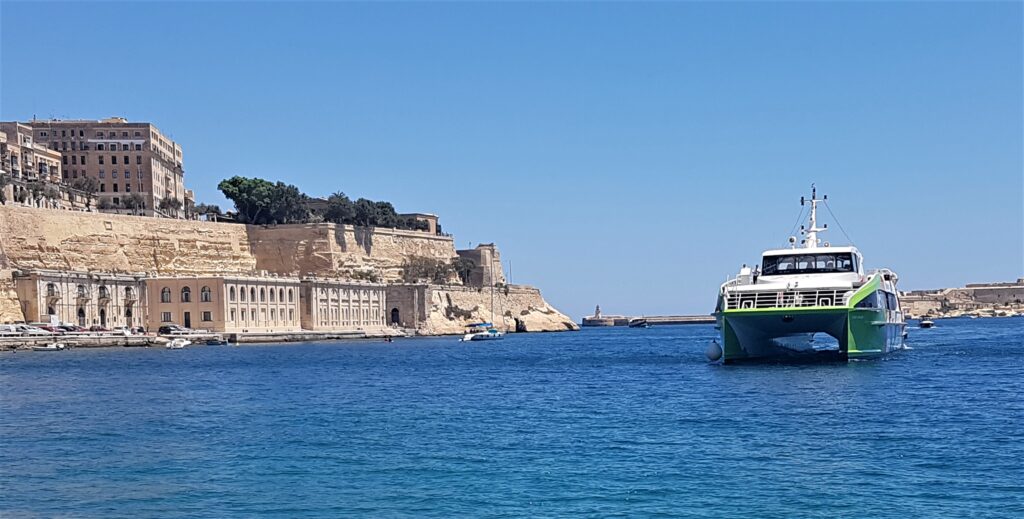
(807, 334)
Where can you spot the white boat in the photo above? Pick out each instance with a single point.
(482, 332)
(925, 324)
(53, 346)
(179, 343)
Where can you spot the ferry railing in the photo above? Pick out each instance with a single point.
(785, 299)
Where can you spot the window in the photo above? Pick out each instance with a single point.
(291, 314)
(290, 298)
(126, 159)
(115, 187)
(138, 159)
(252, 296)
(241, 294)
(99, 134)
(103, 174)
(280, 295)
(100, 148)
(104, 292)
(81, 133)
(806, 263)
(234, 315)
(137, 134)
(116, 199)
(65, 159)
(81, 160)
(138, 147)
(103, 187)
(124, 134)
(127, 187)
(186, 295)
(165, 317)
(51, 290)
(871, 301)
(207, 315)
(204, 295)
(113, 159)
(273, 315)
(165, 295)
(272, 298)
(252, 314)
(231, 295)
(263, 295)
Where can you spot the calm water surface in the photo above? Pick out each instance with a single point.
(597, 423)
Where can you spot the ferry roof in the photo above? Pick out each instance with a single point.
(810, 250)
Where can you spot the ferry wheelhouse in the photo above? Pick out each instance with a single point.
(811, 301)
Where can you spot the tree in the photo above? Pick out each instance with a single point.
(340, 209)
(208, 209)
(169, 205)
(104, 203)
(134, 202)
(87, 184)
(4, 181)
(464, 268)
(261, 202)
(417, 269)
(366, 212)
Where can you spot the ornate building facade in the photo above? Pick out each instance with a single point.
(331, 305)
(82, 298)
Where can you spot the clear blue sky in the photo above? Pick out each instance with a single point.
(631, 155)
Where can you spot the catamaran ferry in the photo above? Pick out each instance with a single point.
(811, 301)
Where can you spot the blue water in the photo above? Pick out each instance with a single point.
(603, 422)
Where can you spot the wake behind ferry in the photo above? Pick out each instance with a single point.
(811, 301)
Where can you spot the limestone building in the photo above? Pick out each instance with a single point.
(225, 304)
(25, 158)
(125, 157)
(81, 298)
(331, 305)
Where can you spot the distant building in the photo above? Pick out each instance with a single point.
(429, 219)
(124, 157)
(487, 269)
(331, 305)
(225, 304)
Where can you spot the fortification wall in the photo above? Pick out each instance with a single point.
(66, 240)
(329, 249)
(10, 308)
(449, 309)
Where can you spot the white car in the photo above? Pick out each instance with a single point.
(9, 329)
(122, 330)
(32, 330)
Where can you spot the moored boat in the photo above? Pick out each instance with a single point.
(53, 346)
(811, 301)
(925, 324)
(482, 332)
(178, 343)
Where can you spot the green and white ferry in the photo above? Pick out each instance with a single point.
(811, 301)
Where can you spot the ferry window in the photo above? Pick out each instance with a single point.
(871, 301)
(806, 264)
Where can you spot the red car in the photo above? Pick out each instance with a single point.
(97, 328)
(51, 329)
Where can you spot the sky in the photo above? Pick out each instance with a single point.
(628, 155)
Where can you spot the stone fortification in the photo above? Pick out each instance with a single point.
(34, 239)
(449, 309)
(975, 299)
(328, 249)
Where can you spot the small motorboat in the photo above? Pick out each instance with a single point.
(179, 343)
(53, 346)
(925, 324)
(482, 332)
(217, 342)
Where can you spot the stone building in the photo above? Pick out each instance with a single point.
(225, 304)
(124, 157)
(82, 298)
(25, 158)
(487, 269)
(331, 305)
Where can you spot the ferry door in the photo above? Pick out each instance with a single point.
(188, 320)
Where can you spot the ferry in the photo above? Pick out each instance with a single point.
(809, 302)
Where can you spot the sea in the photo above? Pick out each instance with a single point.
(610, 422)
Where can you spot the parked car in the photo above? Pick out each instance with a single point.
(173, 329)
(122, 330)
(72, 328)
(98, 328)
(48, 327)
(9, 329)
(25, 329)
(138, 330)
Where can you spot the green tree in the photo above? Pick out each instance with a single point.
(366, 212)
(340, 209)
(134, 201)
(87, 184)
(170, 205)
(259, 201)
(208, 209)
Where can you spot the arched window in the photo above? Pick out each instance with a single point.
(186, 295)
(204, 295)
(280, 295)
(241, 294)
(81, 291)
(263, 295)
(272, 297)
(291, 297)
(51, 290)
(104, 292)
(129, 294)
(252, 296)
(165, 295)
(231, 294)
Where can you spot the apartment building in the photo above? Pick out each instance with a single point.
(24, 158)
(126, 158)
